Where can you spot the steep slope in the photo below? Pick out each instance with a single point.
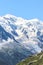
(19, 38)
(33, 60)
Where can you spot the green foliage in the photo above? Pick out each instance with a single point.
(33, 60)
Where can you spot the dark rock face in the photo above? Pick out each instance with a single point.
(4, 35)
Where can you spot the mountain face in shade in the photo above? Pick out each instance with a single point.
(19, 38)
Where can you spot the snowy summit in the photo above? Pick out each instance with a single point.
(20, 38)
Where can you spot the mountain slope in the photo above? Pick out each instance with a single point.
(19, 38)
(33, 60)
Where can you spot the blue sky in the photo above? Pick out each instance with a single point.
(23, 8)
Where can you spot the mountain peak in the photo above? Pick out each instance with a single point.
(9, 15)
(20, 18)
(34, 20)
(22, 38)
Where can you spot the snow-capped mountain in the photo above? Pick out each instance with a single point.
(19, 38)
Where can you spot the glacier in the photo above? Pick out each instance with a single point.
(19, 38)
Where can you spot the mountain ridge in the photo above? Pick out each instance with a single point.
(19, 38)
